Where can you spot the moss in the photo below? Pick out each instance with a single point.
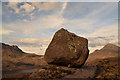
(78, 60)
(51, 72)
(76, 56)
(81, 60)
(98, 76)
(69, 65)
(72, 46)
(58, 34)
(75, 50)
(62, 74)
(41, 70)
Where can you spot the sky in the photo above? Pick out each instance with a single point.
(31, 25)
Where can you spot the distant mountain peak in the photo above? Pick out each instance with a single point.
(109, 50)
(110, 46)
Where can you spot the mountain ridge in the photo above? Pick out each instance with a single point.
(109, 50)
(13, 58)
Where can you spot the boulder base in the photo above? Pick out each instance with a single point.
(66, 48)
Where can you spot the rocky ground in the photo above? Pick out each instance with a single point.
(110, 67)
(104, 69)
(25, 62)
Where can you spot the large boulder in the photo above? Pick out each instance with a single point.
(66, 48)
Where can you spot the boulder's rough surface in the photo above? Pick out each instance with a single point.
(67, 49)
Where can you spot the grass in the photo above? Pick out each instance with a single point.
(50, 73)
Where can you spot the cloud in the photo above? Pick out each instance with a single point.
(102, 36)
(103, 8)
(22, 9)
(94, 24)
(25, 20)
(77, 24)
(36, 50)
(108, 30)
(101, 41)
(47, 22)
(98, 42)
(31, 27)
(52, 21)
(45, 5)
(28, 11)
(32, 45)
(13, 5)
(6, 32)
(63, 7)
(92, 16)
(28, 8)
(92, 49)
(34, 40)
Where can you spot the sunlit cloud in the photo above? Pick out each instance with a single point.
(45, 6)
(25, 20)
(6, 32)
(17, 7)
(13, 5)
(63, 8)
(28, 8)
(32, 45)
(105, 31)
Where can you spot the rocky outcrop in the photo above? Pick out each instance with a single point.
(66, 48)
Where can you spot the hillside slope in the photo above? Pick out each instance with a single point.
(13, 58)
(109, 50)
